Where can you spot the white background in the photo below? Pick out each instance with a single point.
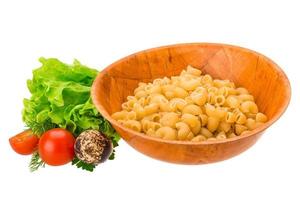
(98, 34)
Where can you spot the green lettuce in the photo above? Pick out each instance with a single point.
(60, 97)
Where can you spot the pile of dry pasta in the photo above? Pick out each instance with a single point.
(190, 107)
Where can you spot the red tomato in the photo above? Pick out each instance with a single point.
(56, 146)
(24, 143)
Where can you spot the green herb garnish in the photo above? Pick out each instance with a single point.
(36, 162)
(85, 166)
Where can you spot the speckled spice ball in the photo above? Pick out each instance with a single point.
(93, 147)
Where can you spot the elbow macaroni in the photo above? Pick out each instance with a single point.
(190, 107)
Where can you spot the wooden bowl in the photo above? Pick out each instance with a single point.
(260, 75)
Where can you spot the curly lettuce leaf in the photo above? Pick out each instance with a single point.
(60, 97)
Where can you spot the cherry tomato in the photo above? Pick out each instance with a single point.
(24, 143)
(56, 147)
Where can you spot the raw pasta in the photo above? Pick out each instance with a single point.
(190, 107)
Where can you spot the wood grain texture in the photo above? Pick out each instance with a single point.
(261, 76)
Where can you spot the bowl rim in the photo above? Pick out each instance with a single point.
(258, 130)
